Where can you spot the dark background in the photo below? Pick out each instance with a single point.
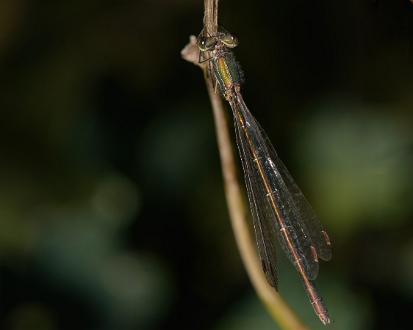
(112, 211)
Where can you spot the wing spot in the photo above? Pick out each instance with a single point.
(314, 253)
(326, 237)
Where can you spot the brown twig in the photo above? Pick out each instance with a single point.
(238, 210)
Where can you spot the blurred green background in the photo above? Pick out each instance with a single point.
(112, 211)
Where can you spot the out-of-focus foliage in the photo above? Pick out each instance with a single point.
(112, 212)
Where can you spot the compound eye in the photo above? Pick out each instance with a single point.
(206, 43)
(229, 40)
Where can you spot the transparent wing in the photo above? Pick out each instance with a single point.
(262, 214)
(308, 218)
(281, 205)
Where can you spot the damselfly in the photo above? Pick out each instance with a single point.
(279, 209)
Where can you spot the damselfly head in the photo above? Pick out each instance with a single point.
(205, 43)
(228, 39)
